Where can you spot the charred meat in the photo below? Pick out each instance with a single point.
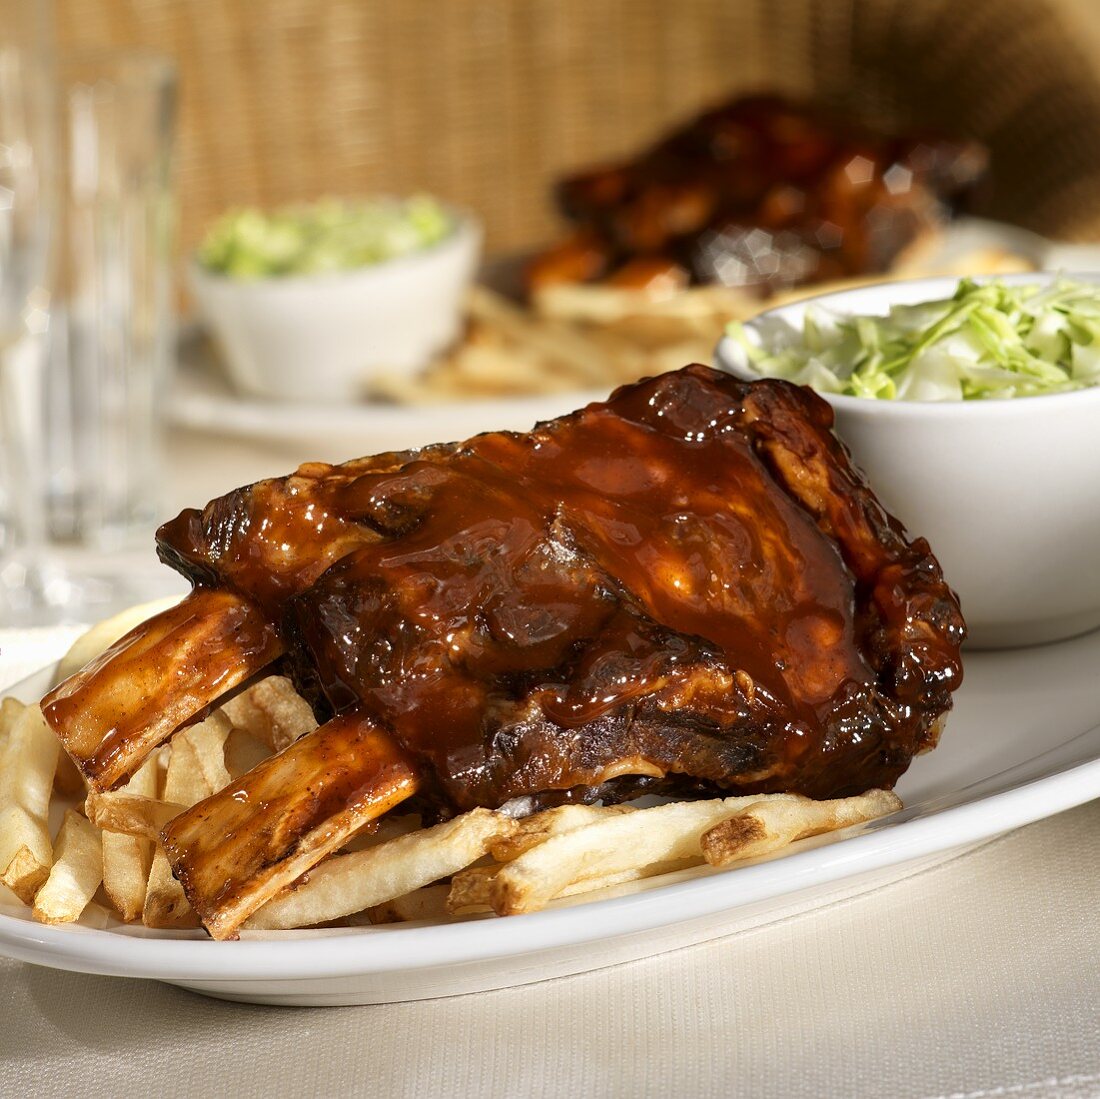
(761, 191)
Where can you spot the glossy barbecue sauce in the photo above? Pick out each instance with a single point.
(559, 562)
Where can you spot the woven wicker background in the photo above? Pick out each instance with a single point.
(485, 101)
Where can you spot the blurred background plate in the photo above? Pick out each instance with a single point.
(202, 399)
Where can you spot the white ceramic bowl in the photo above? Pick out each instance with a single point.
(1007, 492)
(321, 338)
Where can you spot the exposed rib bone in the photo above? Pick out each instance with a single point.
(237, 849)
(134, 696)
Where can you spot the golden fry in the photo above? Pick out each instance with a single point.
(130, 814)
(768, 826)
(272, 712)
(207, 740)
(184, 784)
(28, 761)
(127, 859)
(429, 903)
(471, 890)
(659, 837)
(243, 752)
(10, 710)
(538, 827)
(364, 879)
(75, 875)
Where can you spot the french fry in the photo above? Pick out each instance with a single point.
(185, 784)
(243, 752)
(607, 881)
(27, 766)
(272, 712)
(96, 915)
(539, 827)
(10, 709)
(644, 840)
(429, 903)
(767, 826)
(471, 890)
(557, 342)
(128, 814)
(165, 906)
(75, 875)
(364, 879)
(207, 740)
(127, 859)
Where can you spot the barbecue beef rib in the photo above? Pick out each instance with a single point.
(685, 590)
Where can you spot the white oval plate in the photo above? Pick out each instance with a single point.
(202, 400)
(1022, 743)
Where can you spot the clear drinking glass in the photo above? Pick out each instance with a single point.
(112, 329)
(96, 425)
(28, 149)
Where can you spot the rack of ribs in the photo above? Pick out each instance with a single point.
(760, 192)
(686, 590)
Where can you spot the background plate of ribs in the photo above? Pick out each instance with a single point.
(686, 590)
(761, 191)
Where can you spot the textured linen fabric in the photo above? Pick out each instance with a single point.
(976, 979)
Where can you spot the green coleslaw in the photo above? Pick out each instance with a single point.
(329, 235)
(987, 341)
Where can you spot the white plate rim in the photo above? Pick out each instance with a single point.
(253, 418)
(358, 952)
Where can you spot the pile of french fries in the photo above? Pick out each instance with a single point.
(104, 859)
(578, 336)
(573, 338)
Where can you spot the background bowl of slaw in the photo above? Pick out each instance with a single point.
(1006, 490)
(321, 335)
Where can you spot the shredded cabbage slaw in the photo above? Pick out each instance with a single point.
(987, 341)
(329, 235)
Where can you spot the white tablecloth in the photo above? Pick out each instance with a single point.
(977, 979)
